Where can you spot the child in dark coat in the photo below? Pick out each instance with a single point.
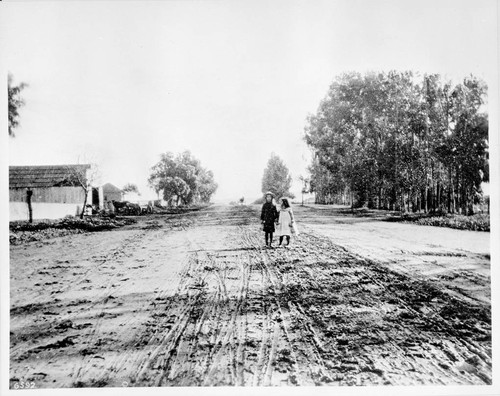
(268, 217)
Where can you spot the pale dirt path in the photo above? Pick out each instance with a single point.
(196, 300)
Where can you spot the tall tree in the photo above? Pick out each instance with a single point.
(277, 178)
(182, 178)
(207, 185)
(15, 102)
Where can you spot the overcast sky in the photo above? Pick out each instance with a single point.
(118, 83)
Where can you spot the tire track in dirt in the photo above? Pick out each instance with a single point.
(100, 299)
(101, 372)
(86, 372)
(204, 308)
(213, 337)
(371, 285)
(276, 360)
(144, 344)
(236, 313)
(279, 337)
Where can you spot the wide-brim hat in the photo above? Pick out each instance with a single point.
(269, 193)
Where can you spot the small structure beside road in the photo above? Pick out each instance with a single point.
(111, 193)
(55, 191)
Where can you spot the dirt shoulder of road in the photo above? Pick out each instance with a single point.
(476, 222)
(458, 258)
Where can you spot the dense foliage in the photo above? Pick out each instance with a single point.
(15, 102)
(130, 188)
(401, 142)
(182, 179)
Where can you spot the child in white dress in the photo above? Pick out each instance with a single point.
(285, 221)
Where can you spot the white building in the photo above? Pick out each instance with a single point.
(56, 191)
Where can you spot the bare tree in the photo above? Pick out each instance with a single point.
(84, 176)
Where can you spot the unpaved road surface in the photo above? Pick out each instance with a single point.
(195, 299)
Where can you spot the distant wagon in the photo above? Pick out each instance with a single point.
(55, 191)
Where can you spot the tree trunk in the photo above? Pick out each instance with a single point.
(352, 200)
(439, 196)
(84, 205)
(448, 195)
(453, 200)
(426, 204)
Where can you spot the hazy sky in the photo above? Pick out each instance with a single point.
(118, 83)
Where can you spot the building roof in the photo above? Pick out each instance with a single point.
(111, 188)
(46, 175)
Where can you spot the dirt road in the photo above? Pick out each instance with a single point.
(196, 300)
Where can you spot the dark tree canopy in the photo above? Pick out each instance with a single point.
(277, 178)
(400, 141)
(15, 103)
(182, 179)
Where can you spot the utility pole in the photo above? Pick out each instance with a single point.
(29, 194)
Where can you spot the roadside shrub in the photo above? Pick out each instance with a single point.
(23, 231)
(477, 222)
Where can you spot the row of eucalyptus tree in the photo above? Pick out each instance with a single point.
(400, 141)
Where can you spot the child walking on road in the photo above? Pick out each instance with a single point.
(286, 222)
(268, 217)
